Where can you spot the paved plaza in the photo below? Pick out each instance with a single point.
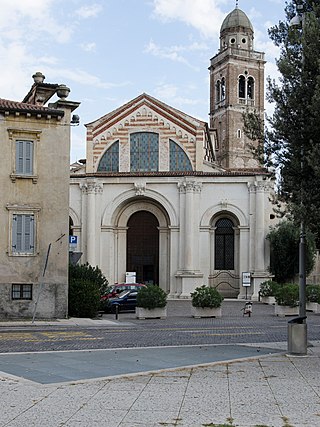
(218, 385)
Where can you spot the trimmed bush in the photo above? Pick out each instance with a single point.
(313, 293)
(205, 296)
(288, 294)
(84, 298)
(268, 288)
(151, 297)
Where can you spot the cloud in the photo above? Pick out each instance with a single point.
(173, 53)
(205, 16)
(84, 78)
(88, 47)
(170, 94)
(26, 20)
(89, 11)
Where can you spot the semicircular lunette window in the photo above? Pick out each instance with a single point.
(224, 245)
(179, 160)
(110, 160)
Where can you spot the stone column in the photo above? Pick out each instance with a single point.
(260, 229)
(93, 226)
(189, 274)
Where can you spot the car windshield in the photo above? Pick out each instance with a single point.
(123, 294)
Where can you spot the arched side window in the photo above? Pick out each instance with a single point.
(224, 245)
(179, 160)
(144, 152)
(250, 88)
(223, 89)
(218, 88)
(110, 160)
(242, 87)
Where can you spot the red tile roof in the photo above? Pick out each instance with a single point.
(13, 106)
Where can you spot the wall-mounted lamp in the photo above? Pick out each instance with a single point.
(75, 120)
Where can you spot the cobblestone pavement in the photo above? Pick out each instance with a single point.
(178, 329)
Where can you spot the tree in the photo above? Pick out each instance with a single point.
(86, 286)
(291, 137)
(284, 251)
(92, 274)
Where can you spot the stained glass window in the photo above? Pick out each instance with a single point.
(144, 152)
(178, 158)
(224, 245)
(110, 160)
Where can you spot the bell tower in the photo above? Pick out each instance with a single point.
(236, 84)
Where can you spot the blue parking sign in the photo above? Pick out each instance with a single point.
(73, 240)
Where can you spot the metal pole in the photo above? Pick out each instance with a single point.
(302, 271)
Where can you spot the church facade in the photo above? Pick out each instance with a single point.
(175, 200)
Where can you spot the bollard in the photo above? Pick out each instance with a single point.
(117, 310)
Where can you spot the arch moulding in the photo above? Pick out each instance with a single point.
(218, 209)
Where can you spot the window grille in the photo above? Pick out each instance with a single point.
(224, 245)
(21, 291)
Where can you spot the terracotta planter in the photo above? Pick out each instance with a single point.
(154, 313)
(198, 312)
(268, 300)
(285, 310)
(313, 306)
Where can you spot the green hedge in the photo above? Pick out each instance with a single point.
(288, 294)
(313, 293)
(205, 296)
(151, 297)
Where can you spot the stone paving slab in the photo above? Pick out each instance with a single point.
(270, 391)
(56, 366)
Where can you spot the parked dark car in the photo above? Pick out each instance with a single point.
(126, 301)
(120, 287)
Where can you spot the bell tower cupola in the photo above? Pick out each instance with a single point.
(236, 85)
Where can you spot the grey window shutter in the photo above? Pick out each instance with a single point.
(14, 233)
(24, 157)
(28, 233)
(19, 156)
(19, 233)
(28, 157)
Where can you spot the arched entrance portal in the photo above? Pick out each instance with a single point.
(143, 247)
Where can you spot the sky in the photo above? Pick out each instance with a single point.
(110, 51)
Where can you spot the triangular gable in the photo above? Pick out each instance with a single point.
(187, 122)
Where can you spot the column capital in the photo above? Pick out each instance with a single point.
(187, 186)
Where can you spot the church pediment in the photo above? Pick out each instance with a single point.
(145, 118)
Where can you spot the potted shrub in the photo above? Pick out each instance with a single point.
(267, 292)
(206, 302)
(313, 298)
(287, 300)
(151, 303)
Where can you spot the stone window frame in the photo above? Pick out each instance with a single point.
(16, 135)
(23, 210)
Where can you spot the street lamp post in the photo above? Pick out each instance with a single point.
(301, 336)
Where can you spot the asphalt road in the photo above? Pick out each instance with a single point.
(178, 329)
